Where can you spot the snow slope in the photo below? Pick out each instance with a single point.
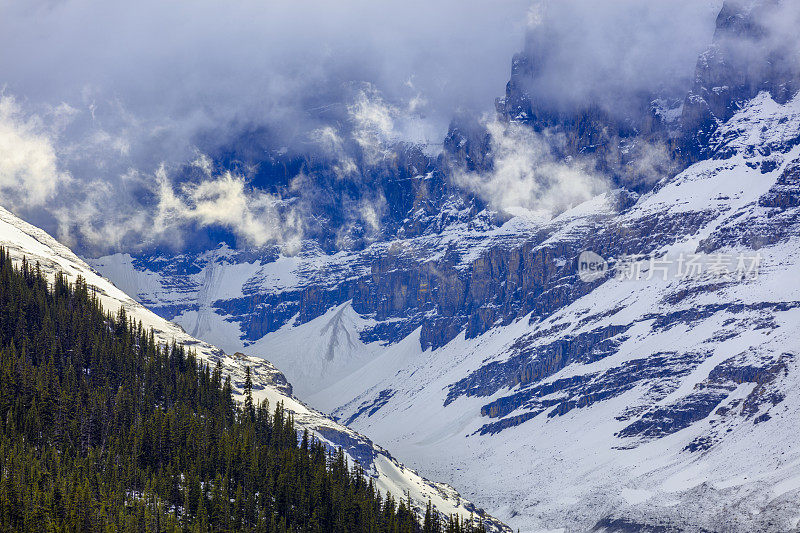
(662, 403)
(320, 352)
(665, 402)
(23, 240)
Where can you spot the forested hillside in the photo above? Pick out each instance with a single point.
(103, 429)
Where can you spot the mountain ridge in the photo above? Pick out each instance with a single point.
(611, 405)
(24, 241)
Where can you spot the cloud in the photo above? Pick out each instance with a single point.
(160, 73)
(225, 200)
(527, 178)
(153, 82)
(649, 163)
(368, 133)
(102, 216)
(105, 218)
(373, 124)
(114, 98)
(606, 52)
(759, 41)
(29, 169)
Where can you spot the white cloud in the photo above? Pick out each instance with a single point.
(225, 200)
(609, 52)
(649, 163)
(527, 178)
(164, 72)
(332, 145)
(373, 124)
(104, 217)
(29, 171)
(145, 83)
(99, 216)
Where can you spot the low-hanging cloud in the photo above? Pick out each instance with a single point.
(527, 179)
(225, 200)
(154, 74)
(29, 173)
(153, 82)
(621, 56)
(106, 218)
(759, 41)
(608, 52)
(113, 98)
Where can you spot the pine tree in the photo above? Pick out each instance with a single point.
(102, 429)
(248, 394)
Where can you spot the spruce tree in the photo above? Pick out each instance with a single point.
(103, 429)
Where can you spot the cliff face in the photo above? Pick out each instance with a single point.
(443, 262)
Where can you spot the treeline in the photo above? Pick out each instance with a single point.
(103, 429)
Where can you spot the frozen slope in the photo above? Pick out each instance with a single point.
(669, 402)
(666, 403)
(320, 352)
(23, 240)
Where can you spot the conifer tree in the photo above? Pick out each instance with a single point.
(103, 429)
(248, 394)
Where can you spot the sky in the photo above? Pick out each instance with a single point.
(103, 101)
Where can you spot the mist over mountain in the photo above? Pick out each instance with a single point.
(544, 250)
(119, 91)
(286, 98)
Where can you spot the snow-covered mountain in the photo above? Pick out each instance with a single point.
(24, 241)
(662, 394)
(663, 402)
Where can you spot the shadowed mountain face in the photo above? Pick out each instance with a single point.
(751, 52)
(461, 333)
